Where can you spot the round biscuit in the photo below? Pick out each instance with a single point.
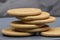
(49, 20)
(19, 24)
(40, 29)
(52, 32)
(43, 15)
(24, 11)
(10, 32)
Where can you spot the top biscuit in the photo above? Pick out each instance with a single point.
(24, 11)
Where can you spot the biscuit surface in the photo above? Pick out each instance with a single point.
(49, 20)
(19, 24)
(43, 15)
(10, 32)
(24, 11)
(52, 32)
(40, 29)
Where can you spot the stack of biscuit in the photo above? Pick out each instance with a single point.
(30, 20)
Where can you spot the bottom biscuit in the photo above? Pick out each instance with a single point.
(41, 29)
(10, 32)
(52, 32)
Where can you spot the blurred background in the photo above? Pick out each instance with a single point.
(51, 6)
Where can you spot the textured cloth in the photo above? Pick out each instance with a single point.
(52, 6)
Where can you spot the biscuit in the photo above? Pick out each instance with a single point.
(19, 24)
(40, 29)
(52, 32)
(24, 11)
(49, 20)
(43, 15)
(11, 32)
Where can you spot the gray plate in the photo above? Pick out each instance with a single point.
(4, 23)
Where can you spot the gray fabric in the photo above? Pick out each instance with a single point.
(3, 1)
(56, 9)
(51, 6)
(17, 4)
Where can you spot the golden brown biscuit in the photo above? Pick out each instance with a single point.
(43, 15)
(24, 11)
(49, 20)
(52, 32)
(40, 29)
(19, 24)
(10, 32)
